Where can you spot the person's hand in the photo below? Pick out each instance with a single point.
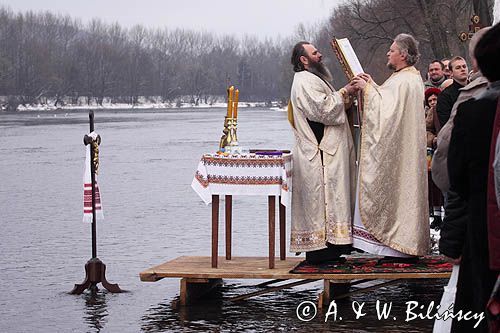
(350, 88)
(358, 83)
(365, 76)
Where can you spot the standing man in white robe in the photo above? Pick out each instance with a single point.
(391, 215)
(323, 160)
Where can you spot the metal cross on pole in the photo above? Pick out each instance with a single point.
(473, 28)
(95, 269)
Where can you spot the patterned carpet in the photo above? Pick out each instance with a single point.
(428, 264)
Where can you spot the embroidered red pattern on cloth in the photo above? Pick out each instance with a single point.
(87, 192)
(364, 234)
(243, 175)
(87, 198)
(243, 162)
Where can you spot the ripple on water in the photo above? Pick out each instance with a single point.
(151, 215)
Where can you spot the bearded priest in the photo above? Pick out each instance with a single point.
(323, 160)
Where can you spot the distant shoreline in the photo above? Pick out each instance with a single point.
(141, 107)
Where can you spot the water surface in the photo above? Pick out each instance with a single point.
(148, 159)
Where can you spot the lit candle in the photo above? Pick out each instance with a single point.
(230, 101)
(235, 107)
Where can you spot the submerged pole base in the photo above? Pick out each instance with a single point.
(95, 272)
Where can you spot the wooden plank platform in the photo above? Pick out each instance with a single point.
(257, 268)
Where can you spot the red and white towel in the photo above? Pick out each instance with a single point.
(246, 174)
(87, 189)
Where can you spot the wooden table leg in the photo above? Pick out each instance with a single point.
(272, 213)
(215, 230)
(229, 216)
(282, 215)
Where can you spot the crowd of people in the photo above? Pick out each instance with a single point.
(371, 193)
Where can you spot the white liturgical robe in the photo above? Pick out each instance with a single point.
(323, 191)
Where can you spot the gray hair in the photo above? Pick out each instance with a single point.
(408, 45)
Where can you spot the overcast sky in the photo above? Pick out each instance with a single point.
(256, 17)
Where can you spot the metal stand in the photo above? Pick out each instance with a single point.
(95, 269)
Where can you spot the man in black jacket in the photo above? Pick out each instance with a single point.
(468, 165)
(448, 96)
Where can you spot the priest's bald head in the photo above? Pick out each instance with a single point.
(305, 57)
(403, 52)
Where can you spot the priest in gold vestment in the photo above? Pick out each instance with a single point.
(323, 160)
(391, 213)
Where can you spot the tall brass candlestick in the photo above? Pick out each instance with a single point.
(235, 104)
(230, 102)
(227, 135)
(234, 127)
(227, 132)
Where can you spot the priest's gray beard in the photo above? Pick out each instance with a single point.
(319, 69)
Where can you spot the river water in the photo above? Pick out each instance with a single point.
(147, 162)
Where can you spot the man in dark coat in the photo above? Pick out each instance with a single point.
(448, 96)
(468, 165)
(493, 211)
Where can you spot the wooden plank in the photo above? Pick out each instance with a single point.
(326, 295)
(215, 230)
(150, 276)
(363, 290)
(267, 283)
(332, 288)
(272, 225)
(194, 289)
(257, 268)
(270, 289)
(229, 221)
(282, 216)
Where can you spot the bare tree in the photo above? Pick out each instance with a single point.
(371, 24)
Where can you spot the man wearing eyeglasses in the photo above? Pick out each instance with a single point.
(448, 97)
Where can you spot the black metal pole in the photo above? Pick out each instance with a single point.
(92, 177)
(95, 270)
(481, 9)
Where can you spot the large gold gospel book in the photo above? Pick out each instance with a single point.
(347, 57)
(352, 67)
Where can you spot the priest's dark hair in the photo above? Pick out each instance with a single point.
(408, 45)
(487, 53)
(297, 52)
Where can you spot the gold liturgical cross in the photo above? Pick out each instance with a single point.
(473, 28)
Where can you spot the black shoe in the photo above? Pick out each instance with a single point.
(330, 261)
(338, 250)
(397, 260)
(330, 253)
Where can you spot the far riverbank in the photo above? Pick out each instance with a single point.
(143, 104)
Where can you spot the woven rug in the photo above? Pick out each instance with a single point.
(428, 264)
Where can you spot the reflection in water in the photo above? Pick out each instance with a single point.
(277, 311)
(201, 317)
(152, 215)
(96, 309)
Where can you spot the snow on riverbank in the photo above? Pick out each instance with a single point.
(145, 104)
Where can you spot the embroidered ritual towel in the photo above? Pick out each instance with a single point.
(87, 189)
